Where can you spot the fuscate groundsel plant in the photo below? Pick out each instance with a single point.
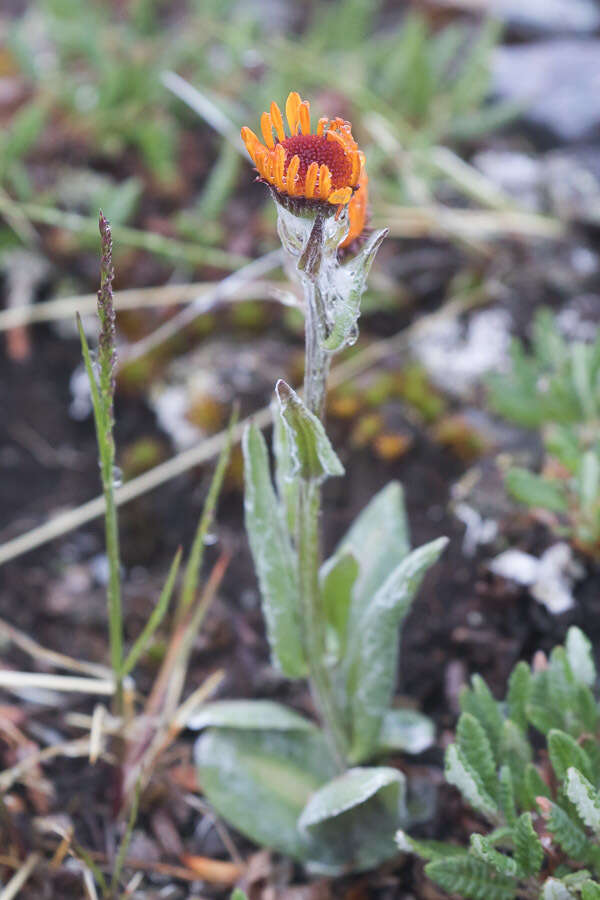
(530, 767)
(281, 779)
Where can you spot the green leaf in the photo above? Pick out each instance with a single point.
(475, 748)
(553, 889)
(518, 694)
(156, 617)
(355, 815)
(567, 834)
(536, 491)
(238, 895)
(378, 539)
(585, 799)
(405, 730)
(263, 715)
(479, 701)
(471, 878)
(373, 653)
(312, 456)
(516, 753)
(273, 558)
(483, 850)
(338, 575)
(564, 752)
(287, 485)
(462, 775)
(590, 890)
(260, 781)
(580, 655)
(506, 795)
(535, 786)
(428, 850)
(529, 853)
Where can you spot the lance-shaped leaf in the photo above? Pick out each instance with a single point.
(356, 814)
(580, 656)
(260, 781)
(471, 878)
(405, 730)
(337, 577)
(287, 485)
(379, 540)
(464, 777)
(347, 290)
(312, 456)
(535, 490)
(585, 799)
(373, 653)
(273, 558)
(263, 715)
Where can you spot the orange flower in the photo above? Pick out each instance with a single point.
(322, 168)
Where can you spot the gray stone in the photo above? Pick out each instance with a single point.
(556, 82)
(545, 17)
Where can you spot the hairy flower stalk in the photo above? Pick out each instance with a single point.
(319, 184)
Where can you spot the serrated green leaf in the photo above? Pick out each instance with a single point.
(428, 850)
(499, 862)
(337, 576)
(264, 715)
(475, 747)
(590, 891)
(535, 491)
(373, 653)
(516, 752)
(564, 752)
(471, 878)
(518, 694)
(312, 456)
(567, 834)
(585, 799)
(580, 655)
(535, 786)
(506, 795)
(459, 773)
(529, 853)
(405, 730)
(260, 781)
(273, 558)
(478, 701)
(356, 814)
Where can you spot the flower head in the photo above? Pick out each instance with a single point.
(324, 170)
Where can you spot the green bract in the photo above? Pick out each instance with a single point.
(543, 807)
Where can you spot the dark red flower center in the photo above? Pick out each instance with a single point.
(316, 148)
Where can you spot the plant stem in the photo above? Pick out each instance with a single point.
(115, 613)
(308, 539)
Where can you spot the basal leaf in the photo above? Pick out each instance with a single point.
(249, 714)
(536, 491)
(352, 815)
(529, 853)
(585, 799)
(260, 781)
(373, 651)
(462, 775)
(273, 558)
(337, 577)
(471, 878)
(405, 730)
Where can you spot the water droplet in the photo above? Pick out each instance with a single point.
(352, 336)
(210, 539)
(117, 477)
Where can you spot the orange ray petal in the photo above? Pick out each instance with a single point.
(356, 166)
(277, 121)
(304, 115)
(342, 195)
(324, 182)
(278, 166)
(267, 130)
(251, 141)
(290, 178)
(310, 182)
(292, 106)
(321, 125)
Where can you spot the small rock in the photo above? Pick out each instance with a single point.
(456, 359)
(545, 17)
(550, 578)
(557, 82)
